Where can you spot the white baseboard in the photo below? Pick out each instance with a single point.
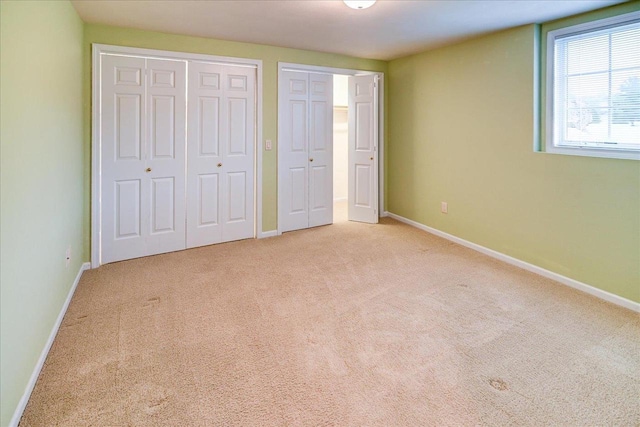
(15, 420)
(265, 234)
(607, 296)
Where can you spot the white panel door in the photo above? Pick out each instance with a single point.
(293, 151)
(143, 106)
(238, 142)
(220, 189)
(204, 154)
(123, 159)
(305, 152)
(363, 153)
(320, 149)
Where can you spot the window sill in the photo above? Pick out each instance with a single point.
(592, 152)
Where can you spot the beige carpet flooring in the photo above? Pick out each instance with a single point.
(347, 325)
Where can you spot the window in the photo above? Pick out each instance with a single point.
(593, 88)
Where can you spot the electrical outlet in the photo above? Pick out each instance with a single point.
(68, 254)
(267, 145)
(444, 207)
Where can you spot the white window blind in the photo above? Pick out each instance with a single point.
(596, 85)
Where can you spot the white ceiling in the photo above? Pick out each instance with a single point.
(387, 30)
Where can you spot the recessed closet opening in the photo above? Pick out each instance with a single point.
(330, 141)
(175, 163)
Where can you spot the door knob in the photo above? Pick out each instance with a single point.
(370, 158)
(311, 159)
(148, 170)
(219, 164)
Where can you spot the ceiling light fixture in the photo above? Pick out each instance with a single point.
(359, 4)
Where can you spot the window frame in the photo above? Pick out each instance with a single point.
(550, 122)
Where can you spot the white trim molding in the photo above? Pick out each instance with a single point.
(599, 293)
(22, 404)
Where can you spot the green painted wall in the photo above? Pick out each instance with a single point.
(270, 57)
(42, 175)
(461, 130)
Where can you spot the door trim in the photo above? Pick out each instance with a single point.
(96, 144)
(288, 66)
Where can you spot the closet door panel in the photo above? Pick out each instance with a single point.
(166, 150)
(123, 183)
(143, 104)
(363, 155)
(293, 151)
(163, 212)
(321, 149)
(127, 209)
(238, 148)
(204, 154)
(208, 212)
(221, 153)
(163, 133)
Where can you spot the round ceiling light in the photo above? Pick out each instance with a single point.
(359, 4)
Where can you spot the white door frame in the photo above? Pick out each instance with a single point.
(288, 66)
(98, 50)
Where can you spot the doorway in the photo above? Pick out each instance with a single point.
(317, 172)
(340, 147)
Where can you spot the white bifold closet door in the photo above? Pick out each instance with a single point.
(220, 158)
(161, 189)
(363, 148)
(306, 150)
(143, 157)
